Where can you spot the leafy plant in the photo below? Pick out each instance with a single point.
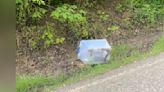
(69, 13)
(73, 17)
(39, 2)
(102, 15)
(113, 28)
(39, 13)
(50, 38)
(27, 9)
(119, 8)
(143, 11)
(39, 37)
(47, 37)
(145, 15)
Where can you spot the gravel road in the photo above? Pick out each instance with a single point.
(142, 76)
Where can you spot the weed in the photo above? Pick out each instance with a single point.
(144, 12)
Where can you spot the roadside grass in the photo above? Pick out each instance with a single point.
(27, 82)
(121, 55)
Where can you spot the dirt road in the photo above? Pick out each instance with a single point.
(143, 76)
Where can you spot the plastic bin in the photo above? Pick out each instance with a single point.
(95, 51)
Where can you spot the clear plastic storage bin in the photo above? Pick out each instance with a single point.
(95, 51)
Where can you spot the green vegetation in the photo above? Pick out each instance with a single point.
(27, 10)
(41, 33)
(42, 24)
(27, 82)
(113, 28)
(72, 16)
(102, 15)
(118, 58)
(158, 46)
(143, 12)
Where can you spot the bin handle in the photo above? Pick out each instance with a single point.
(105, 59)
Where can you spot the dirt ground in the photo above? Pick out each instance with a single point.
(55, 62)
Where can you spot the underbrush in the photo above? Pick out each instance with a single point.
(121, 55)
(143, 12)
(49, 23)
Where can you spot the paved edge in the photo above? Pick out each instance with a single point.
(113, 74)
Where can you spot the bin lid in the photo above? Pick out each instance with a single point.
(95, 44)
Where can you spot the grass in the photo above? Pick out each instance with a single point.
(27, 82)
(121, 55)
